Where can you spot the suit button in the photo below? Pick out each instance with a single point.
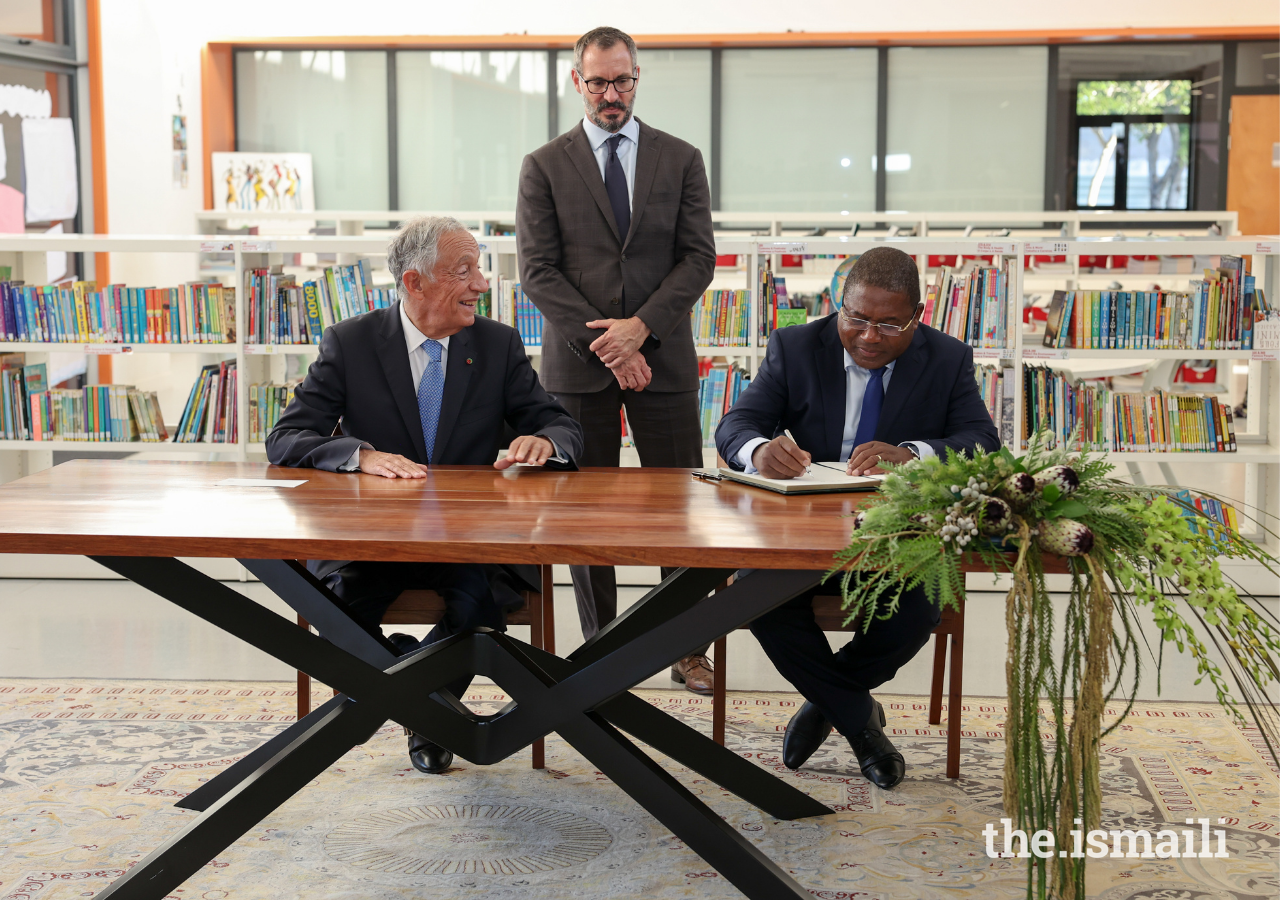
(624, 257)
(614, 301)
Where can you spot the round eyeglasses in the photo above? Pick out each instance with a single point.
(622, 84)
(889, 331)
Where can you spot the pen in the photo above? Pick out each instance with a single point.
(787, 432)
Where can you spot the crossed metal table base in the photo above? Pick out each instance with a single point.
(584, 698)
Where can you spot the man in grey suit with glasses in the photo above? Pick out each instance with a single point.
(613, 230)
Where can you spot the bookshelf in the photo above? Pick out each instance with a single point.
(1258, 443)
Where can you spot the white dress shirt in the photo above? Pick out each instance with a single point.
(856, 379)
(418, 362)
(627, 147)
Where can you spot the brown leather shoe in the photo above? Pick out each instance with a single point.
(695, 673)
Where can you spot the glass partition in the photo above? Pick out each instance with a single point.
(798, 129)
(329, 103)
(465, 120)
(966, 128)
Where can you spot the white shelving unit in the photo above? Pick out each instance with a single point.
(1077, 222)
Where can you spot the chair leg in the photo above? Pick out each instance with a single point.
(304, 684)
(939, 667)
(718, 690)
(720, 685)
(953, 704)
(542, 635)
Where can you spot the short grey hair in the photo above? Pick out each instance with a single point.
(416, 247)
(604, 38)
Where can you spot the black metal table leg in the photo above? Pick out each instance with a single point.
(689, 747)
(691, 820)
(574, 697)
(344, 724)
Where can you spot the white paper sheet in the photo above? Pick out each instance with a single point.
(49, 165)
(259, 482)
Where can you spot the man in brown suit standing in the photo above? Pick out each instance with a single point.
(613, 230)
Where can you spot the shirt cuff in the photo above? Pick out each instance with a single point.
(744, 455)
(353, 461)
(923, 450)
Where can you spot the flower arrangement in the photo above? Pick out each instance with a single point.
(1126, 547)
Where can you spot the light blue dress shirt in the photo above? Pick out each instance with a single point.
(627, 148)
(856, 379)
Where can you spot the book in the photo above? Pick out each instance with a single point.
(822, 478)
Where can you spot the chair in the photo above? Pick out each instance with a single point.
(427, 608)
(830, 616)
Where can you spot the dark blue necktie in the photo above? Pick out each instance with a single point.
(872, 400)
(615, 185)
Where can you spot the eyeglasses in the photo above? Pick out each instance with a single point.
(622, 84)
(889, 331)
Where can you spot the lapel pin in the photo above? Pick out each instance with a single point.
(468, 360)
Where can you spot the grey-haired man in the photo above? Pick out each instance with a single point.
(399, 380)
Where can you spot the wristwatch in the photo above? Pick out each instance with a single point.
(915, 454)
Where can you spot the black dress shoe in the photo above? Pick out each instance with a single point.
(880, 761)
(806, 731)
(427, 756)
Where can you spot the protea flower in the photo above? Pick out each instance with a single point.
(1018, 489)
(1063, 477)
(858, 518)
(927, 520)
(1065, 537)
(995, 515)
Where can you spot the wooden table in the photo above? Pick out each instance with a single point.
(134, 517)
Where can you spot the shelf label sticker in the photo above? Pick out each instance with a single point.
(1047, 248)
(217, 246)
(788, 247)
(1003, 247)
(259, 349)
(1268, 247)
(257, 246)
(1045, 353)
(106, 349)
(1266, 340)
(992, 353)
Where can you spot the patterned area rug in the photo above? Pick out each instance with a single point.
(89, 773)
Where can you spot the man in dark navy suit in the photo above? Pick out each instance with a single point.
(425, 382)
(866, 385)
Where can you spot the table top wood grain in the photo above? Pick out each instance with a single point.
(625, 516)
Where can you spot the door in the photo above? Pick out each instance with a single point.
(1253, 168)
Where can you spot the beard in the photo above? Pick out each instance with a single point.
(594, 109)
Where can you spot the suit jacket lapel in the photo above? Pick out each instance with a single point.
(906, 373)
(457, 375)
(579, 150)
(835, 383)
(648, 151)
(394, 357)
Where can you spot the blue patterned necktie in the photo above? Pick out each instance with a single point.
(872, 400)
(430, 393)
(615, 185)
